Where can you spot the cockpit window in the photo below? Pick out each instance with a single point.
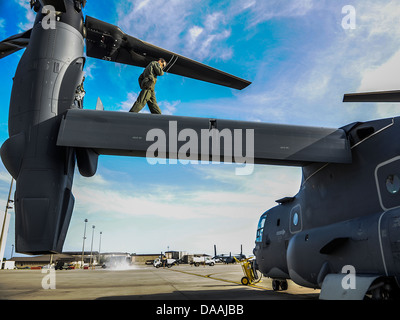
(260, 228)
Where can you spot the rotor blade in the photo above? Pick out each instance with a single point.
(127, 134)
(14, 43)
(59, 5)
(108, 42)
(380, 96)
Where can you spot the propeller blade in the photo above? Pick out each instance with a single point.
(14, 43)
(59, 5)
(380, 96)
(108, 42)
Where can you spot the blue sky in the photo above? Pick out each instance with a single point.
(301, 61)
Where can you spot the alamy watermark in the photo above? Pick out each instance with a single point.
(349, 280)
(203, 148)
(49, 20)
(49, 280)
(349, 21)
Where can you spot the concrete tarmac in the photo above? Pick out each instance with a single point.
(219, 282)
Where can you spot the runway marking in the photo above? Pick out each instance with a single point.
(209, 276)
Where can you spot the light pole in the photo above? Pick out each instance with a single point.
(83, 246)
(4, 225)
(91, 247)
(100, 244)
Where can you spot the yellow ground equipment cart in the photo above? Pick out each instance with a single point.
(250, 273)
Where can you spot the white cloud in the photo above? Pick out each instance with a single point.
(2, 27)
(189, 28)
(27, 23)
(89, 68)
(168, 108)
(384, 77)
(208, 41)
(162, 27)
(194, 33)
(171, 27)
(142, 4)
(128, 103)
(311, 88)
(379, 18)
(267, 10)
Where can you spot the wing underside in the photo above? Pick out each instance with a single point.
(14, 43)
(131, 134)
(108, 42)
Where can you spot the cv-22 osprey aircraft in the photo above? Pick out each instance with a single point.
(340, 233)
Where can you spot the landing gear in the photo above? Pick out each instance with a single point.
(279, 285)
(245, 281)
(383, 289)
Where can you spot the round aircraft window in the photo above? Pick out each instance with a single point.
(296, 219)
(393, 184)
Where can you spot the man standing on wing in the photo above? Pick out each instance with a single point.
(147, 82)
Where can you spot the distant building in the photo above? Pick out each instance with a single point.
(110, 258)
(88, 256)
(175, 254)
(40, 261)
(144, 258)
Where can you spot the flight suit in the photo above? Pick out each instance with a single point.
(147, 82)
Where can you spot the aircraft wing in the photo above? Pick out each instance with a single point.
(14, 43)
(133, 134)
(108, 42)
(379, 96)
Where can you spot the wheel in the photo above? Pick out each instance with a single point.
(245, 281)
(211, 264)
(284, 285)
(275, 285)
(385, 292)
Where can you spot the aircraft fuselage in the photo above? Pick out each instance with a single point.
(344, 214)
(44, 88)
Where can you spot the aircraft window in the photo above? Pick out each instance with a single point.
(296, 219)
(295, 223)
(260, 228)
(393, 184)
